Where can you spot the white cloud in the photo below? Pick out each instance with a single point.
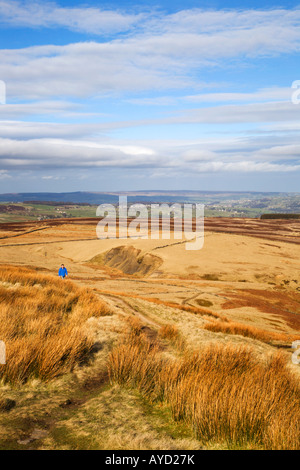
(59, 153)
(49, 14)
(14, 129)
(226, 155)
(155, 52)
(51, 177)
(80, 70)
(51, 107)
(245, 113)
(274, 29)
(198, 20)
(162, 53)
(264, 94)
(4, 175)
(244, 166)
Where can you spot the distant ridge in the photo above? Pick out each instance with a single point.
(73, 197)
(133, 196)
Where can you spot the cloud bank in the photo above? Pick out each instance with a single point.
(85, 104)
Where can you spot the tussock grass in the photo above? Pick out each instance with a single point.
(42, 324)
(171, 333)
(223, 392)
(236, 328)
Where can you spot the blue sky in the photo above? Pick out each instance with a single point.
(113, 96)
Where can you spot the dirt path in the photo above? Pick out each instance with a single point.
(122, 305)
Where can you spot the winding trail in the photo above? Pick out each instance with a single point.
(120, 304)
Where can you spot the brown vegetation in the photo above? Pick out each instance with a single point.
(11, 208)
(283, 304)
(250, 331)
(171, 333)
(224, 393)
(280, 216)
(42, 324)
(185, 308)
(286, 230)
(230, 396)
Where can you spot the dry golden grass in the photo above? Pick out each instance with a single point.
(42, 324)
(250, 331)
(218, 323)
(186, 308)
(223, 392)
(171, 333)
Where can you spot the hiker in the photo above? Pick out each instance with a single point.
(62, 271)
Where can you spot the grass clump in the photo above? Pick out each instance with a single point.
(224, 393)
(42, 323)
(171, 333)
(248, 331)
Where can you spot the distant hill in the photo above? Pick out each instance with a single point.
(216, 203)
(133, 196)
(75, 197)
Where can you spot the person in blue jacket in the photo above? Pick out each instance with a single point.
(63, 271)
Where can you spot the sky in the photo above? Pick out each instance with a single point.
(149, 95)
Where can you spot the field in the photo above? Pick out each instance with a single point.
(41, 206)
(148, 345)
(35, 211)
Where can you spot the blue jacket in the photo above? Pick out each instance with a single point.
(62, 272)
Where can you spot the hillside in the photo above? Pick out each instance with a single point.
(217, 203)
(117, 355)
